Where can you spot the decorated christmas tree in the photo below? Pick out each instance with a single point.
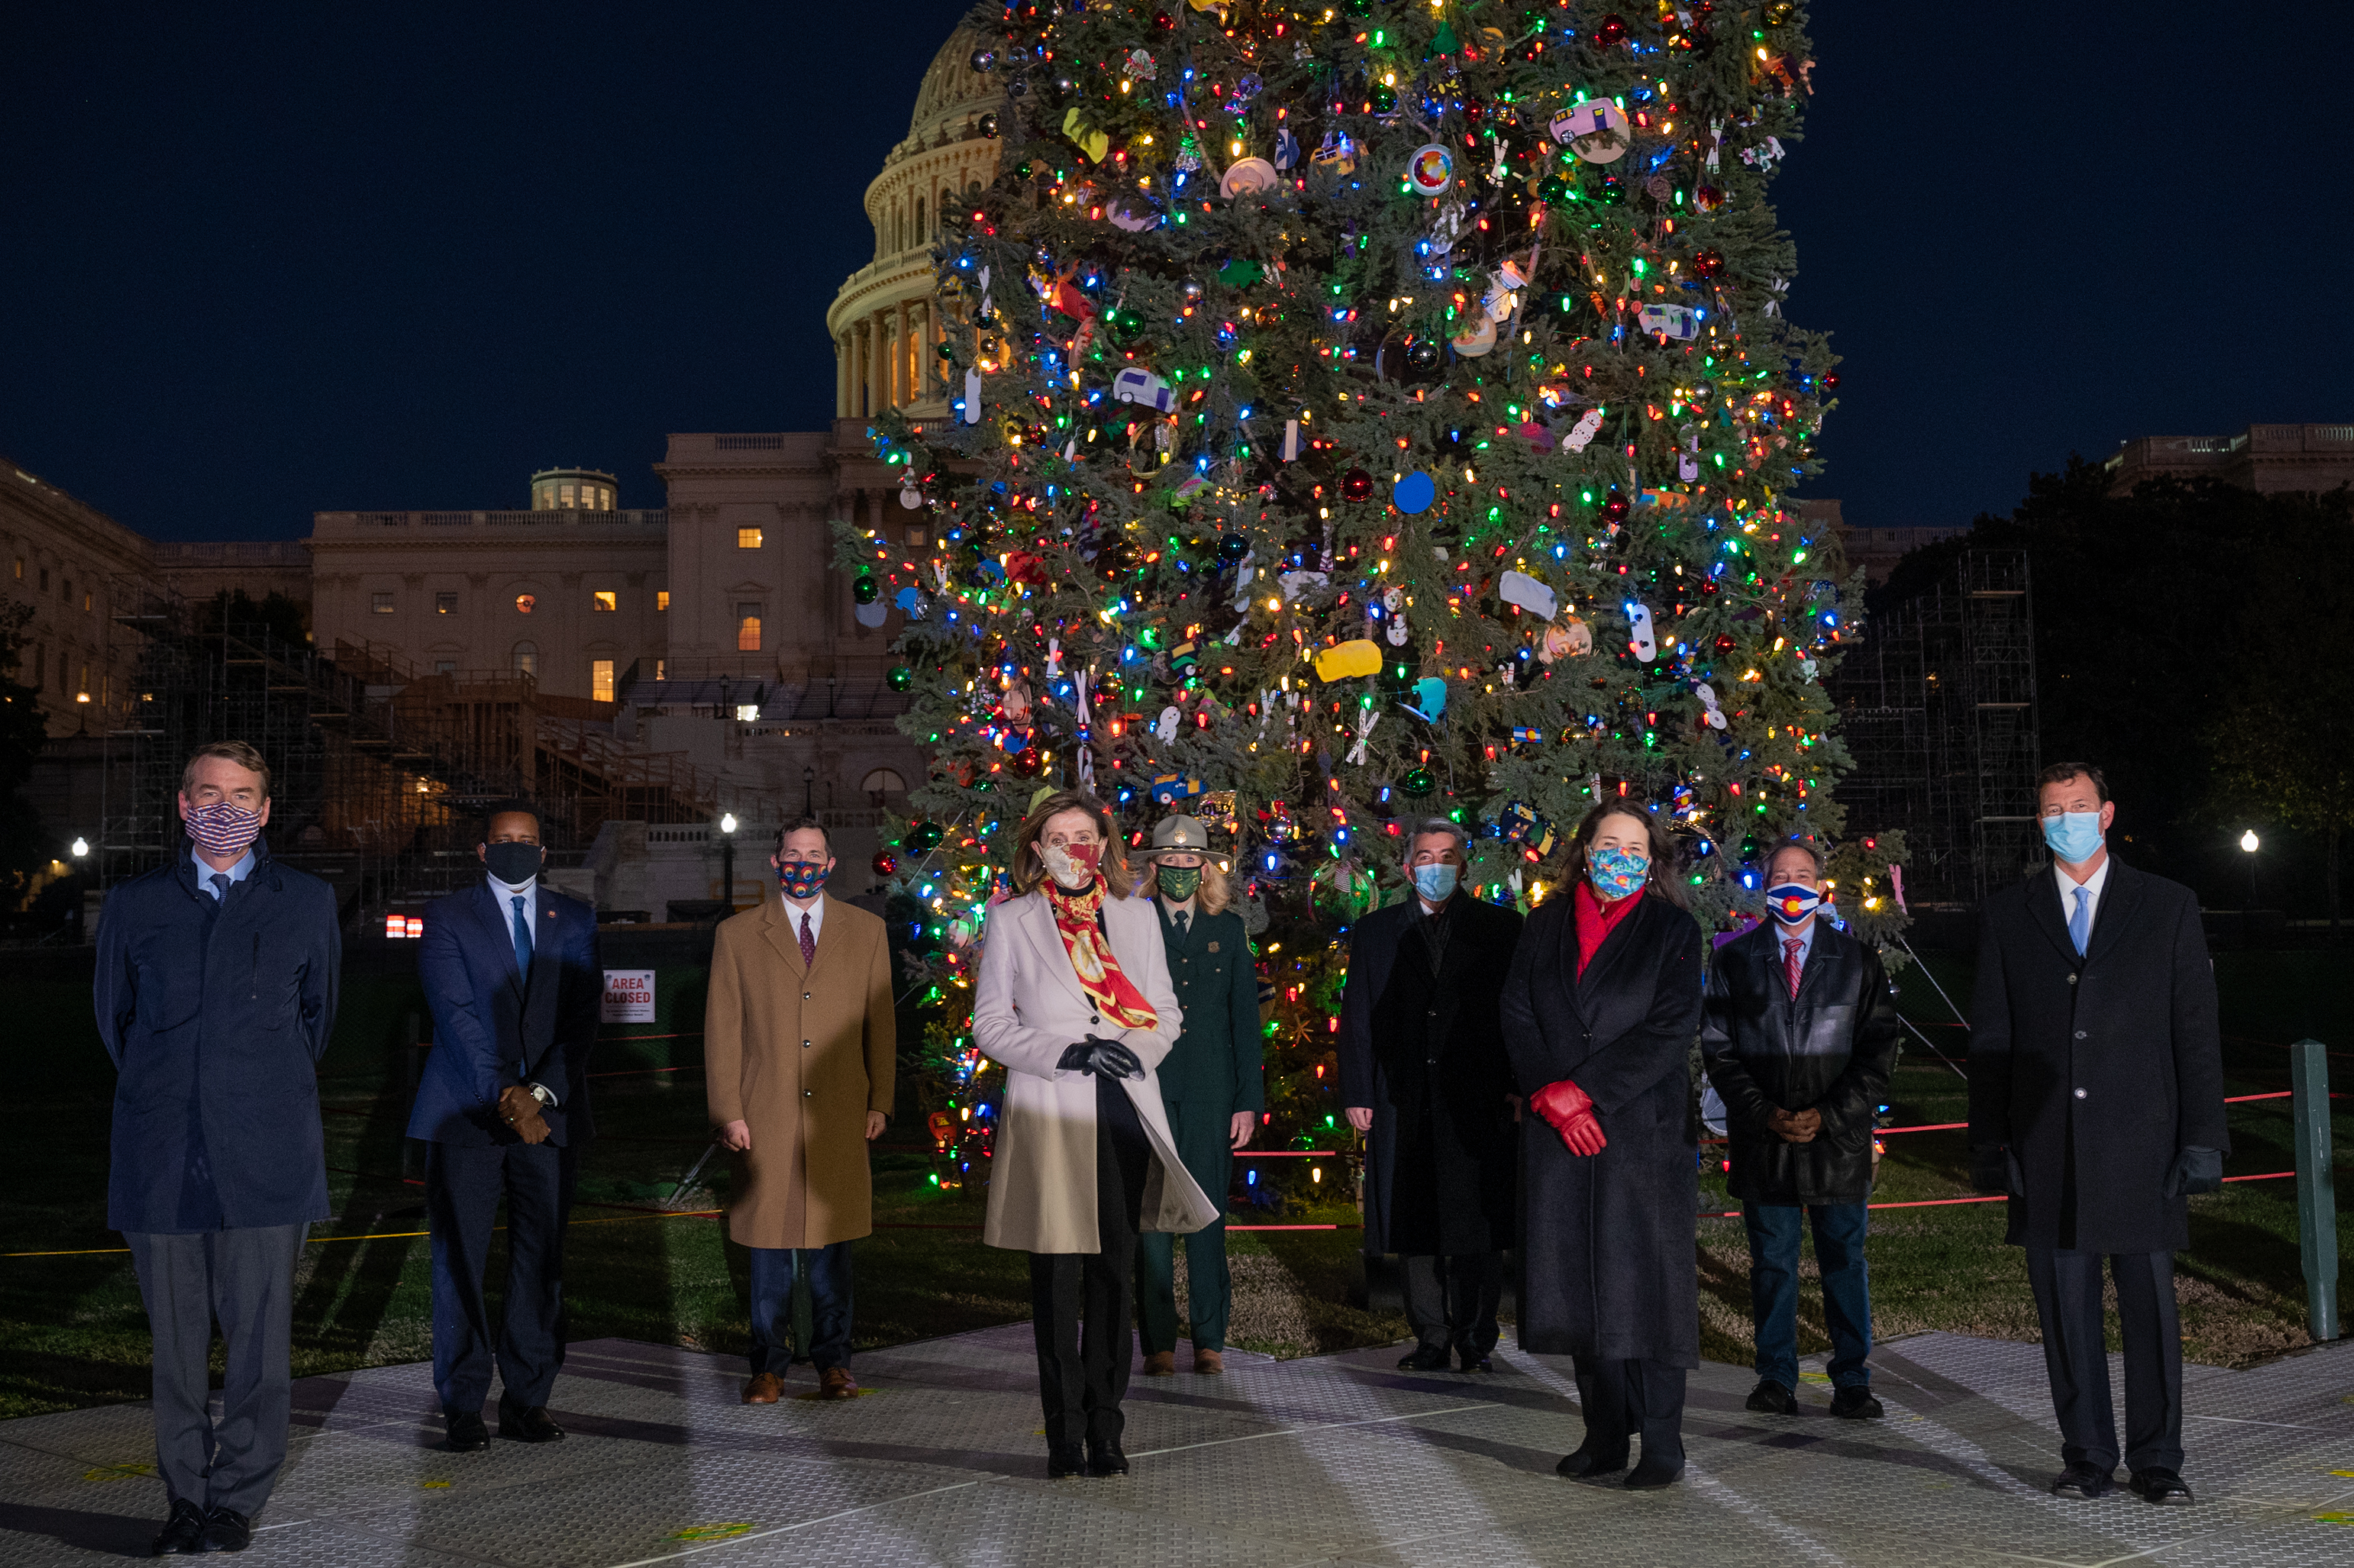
(1363, 412)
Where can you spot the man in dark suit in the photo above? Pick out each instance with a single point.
(1424, 1074)
(2096, 1102)
(510, 970)
(215, 993)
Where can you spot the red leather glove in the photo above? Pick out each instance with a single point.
(1569, 1110)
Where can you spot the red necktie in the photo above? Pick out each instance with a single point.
(1795, 963)
(809, 942)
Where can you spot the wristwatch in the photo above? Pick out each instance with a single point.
(541, 1093)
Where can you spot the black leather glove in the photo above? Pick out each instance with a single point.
(1991, 1168)
(1113, 1057)
(1078, 1058)
(2195, 1169)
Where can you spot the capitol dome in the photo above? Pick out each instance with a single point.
(882, 323)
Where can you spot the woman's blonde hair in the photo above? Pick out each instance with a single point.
(1030, 867)
(1215, 892)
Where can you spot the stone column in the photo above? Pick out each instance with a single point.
(878, 365)
(842, 377)
(903, 346)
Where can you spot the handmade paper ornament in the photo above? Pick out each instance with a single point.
(1521, 825)
(1595, 130)
(1571, 639)
(1143, 388)
(1170, 717)
(1477, 338)
(1245, 90)
(1679, 323)
(1016, 702)
(1295, 584)
(1174, 789)
(1538, 435)
(1712, 713)
(1139, 66)
(1090, 142)
(1688, 459)
(911, 602)
(1528, 593)
(872, 615)
(1132, 214)
(1582, 434)
(1337, 156)
(1291, 440)
(970, 412)
(910, 497)
(1639, 634)
(1247, 177)
(1430, 170)
(1357, 657)
(1527, 735)
(1287, 150)
(1413, 494)
(1429, 699)
(1366, 719)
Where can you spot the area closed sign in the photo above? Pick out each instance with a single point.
(629, 995)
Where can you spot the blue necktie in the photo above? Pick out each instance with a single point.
(220, 880)
(521, 938)
(2080, 924)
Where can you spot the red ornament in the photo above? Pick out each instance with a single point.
(1708, 198)
(1709, 263)
(1723, 643)
(885, 863)
(1830, 382)
(1356, 485)
(1611, 31)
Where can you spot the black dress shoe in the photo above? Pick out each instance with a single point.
(226, 1530)
(1588, 1461)
(534, 1424)
(1105, 1458)
(1651, 1474)
(467, 1435)
(1424, 1357)
(2160, 1487)
(1469, 1359)
(1066, 1459)
(181, 1531)
(2084, 1481)
(1856, 1404)
(1770, 1398)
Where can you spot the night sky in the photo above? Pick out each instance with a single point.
(262, 261)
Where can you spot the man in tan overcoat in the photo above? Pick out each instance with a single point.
(800, 1053)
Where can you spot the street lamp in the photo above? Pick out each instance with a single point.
(809, 791)
(81, 849)
(728, 858)
(2248, 842)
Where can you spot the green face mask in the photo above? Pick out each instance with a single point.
(1179, 884)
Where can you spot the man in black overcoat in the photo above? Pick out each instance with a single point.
(2096, 1102)
(1425, 1076)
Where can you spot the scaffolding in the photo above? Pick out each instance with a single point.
(1937, 709)
(373, 765)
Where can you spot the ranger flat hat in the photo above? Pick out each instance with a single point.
(1179, 835)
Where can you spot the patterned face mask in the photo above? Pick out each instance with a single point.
(1792, 902)
(223, 827)
(799, 879)
(1178, 883)
(1073, 865)
(1616, 873)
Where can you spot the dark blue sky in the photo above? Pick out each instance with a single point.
(260, 260)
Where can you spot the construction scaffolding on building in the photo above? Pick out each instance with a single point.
(1937, 709)
(376, 769)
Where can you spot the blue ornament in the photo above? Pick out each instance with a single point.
(1414, 493)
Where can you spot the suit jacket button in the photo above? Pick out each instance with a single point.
(808, 1093)
(2080, 1034)
(805, 1045)
(805, 996)
(2079, 1094)
(2071, 980)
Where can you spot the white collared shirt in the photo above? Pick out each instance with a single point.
(2092, 885)
(508, 891)
(815, 912)
(205, 874)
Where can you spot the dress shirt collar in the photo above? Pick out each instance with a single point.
(2092, 885)
(506, 892)
(816, 913)
(205, 874)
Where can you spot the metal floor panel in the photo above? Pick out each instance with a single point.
(1329, 1462)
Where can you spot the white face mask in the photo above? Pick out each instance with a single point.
(1074, 865)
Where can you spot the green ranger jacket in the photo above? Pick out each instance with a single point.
(1215, 1063)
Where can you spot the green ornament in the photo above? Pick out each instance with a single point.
(900, 677)
(925, 836)
(1417, 783)
(1443, 41)
(865, 588)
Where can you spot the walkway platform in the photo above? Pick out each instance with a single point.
(1337, 1460)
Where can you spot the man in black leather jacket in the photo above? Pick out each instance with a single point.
(1799, 1039)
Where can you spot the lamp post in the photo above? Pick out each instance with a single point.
(81, 849)
(2250, 843)
(809, 791)
(728, 858)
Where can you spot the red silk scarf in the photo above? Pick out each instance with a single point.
(1091, 956)
(1597, 920)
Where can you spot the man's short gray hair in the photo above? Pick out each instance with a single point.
(1429, 825)
(1807, 847)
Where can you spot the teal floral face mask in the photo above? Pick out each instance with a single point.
(1616, 873)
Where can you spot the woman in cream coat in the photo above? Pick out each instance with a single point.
(1075, 1003)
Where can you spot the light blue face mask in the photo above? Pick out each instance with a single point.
(1436, 882)
(2073, 836)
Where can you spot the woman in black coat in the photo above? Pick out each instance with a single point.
(1599, 1015)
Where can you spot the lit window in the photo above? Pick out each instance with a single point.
(662, 669)
(747, 538)
(87, 599)
(601, 680)
(564, 498)
(445, 666)
(524, 604)
(381, 604)
(527, 659)
(20, 568)
(747, 634)
(445, 604)
(747, 712)
(662, 599)
(608, 599)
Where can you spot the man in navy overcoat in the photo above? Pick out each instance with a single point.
(510, 970)
(214, 993)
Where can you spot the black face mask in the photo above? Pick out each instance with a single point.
(511, 862)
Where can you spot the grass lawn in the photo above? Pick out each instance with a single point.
(72, 1333)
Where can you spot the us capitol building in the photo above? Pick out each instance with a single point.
(714, 630)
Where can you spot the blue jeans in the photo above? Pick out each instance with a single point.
(1773, 1288)
(773, 1268)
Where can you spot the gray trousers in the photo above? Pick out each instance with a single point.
(245, 1278)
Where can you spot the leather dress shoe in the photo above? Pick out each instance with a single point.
(1424, 1357)
(1161, 1363)
(1857, 1404)
(835, 1383)
(1064, 1459)
(1469, 1359)
(1770, 1398)
(2164, 1487)
(1588, 1461)
(1209, 1363)
(1651, 1474)
(527, 1425)
(181, 1531)
(2084, 1481)
(226, 1530)
(1105, 1458)
(465, 1432)
(765, 1388)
